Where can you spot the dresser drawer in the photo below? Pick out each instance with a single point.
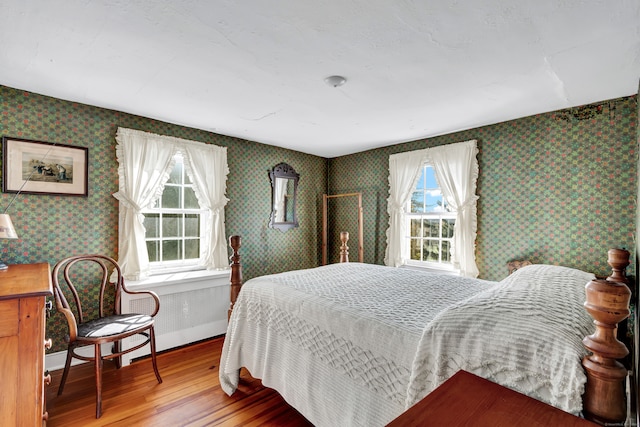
(9, 320)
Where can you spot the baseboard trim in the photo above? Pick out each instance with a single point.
(55, 361)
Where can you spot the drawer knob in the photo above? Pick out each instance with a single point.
(48, 306)
(47, 379)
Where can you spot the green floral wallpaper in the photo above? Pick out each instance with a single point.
(557, 188)
(53, 227)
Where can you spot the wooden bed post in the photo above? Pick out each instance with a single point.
(344, 249)
(236, 271)
(604, 399)
(325, 226)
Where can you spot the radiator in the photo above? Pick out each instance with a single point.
(191, 309)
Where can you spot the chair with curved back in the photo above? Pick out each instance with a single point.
(95, 283)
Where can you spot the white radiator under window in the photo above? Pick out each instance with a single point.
(193, 306)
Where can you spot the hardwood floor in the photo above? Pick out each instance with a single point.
(190, 395)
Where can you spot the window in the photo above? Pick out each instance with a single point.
(457, 170)
(178, 233)
(430, 222)
(173, 227)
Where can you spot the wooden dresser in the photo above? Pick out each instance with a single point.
(23, 292)
(467, 400)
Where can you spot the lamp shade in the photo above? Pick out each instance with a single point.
(6, 228)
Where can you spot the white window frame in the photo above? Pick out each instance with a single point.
(440, 216)
(173, 266)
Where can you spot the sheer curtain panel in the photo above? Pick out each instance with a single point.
(207, 167)
(404, 171)
(456, 169)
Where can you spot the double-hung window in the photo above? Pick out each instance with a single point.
(421, 223)
(174, 225)
(430, 223)
(180, 231)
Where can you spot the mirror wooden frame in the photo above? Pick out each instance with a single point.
(283, 171)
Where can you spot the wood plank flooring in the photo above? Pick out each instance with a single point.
(190, 395)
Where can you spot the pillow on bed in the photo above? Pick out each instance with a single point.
(524, 333)
(541, 275)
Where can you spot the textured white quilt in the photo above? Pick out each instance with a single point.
(357, 344)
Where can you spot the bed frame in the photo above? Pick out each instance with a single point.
(605, 398)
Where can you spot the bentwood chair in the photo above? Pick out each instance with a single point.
(95, 284)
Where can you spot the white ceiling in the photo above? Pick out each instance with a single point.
(255, 69)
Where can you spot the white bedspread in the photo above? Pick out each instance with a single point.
(525, 334)
(356, 344)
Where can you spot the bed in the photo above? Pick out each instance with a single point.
(358, 344)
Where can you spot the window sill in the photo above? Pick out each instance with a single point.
(431, 269)
(177, 278)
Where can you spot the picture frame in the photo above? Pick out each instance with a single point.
(39, 167)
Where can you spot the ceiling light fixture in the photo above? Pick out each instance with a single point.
(335, 81)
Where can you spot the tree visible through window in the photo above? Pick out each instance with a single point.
(174, 225)
(430, 222)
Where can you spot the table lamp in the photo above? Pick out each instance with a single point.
(6, 232)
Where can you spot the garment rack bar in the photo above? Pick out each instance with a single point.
(332, 196)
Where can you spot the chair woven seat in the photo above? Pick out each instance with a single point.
(116, 324)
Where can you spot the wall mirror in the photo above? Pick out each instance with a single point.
(284, 188)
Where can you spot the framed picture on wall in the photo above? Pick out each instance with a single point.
(37, 167)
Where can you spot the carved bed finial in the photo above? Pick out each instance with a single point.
(236, 270)
(344, 249)
(618, 259)
(607, 302)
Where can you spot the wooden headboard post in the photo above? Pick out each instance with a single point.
(604, 399)
(236, 271)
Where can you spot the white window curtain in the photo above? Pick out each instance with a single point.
(145, 161)
(456, 170)
(207, 167)
(404, 171)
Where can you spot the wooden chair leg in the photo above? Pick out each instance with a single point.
(98, 361)
(116, 349)
(152, 342)
(67, 365)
